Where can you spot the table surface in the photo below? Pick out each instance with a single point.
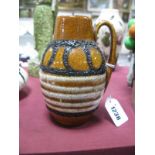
(40, 135)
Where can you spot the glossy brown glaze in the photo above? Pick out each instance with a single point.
(70, 121)
(73, 28)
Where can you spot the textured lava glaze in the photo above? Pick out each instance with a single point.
(73, 58)
(73, 72)
(72, 79)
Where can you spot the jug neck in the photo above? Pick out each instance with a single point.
(74, 28)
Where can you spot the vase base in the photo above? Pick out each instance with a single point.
(70, 121)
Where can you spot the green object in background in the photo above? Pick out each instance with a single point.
(129, 43)
(23, 13)
(43, 27)
(48, 2)
(33, 68)
(34, 71)
(131, 22)
(106, 39)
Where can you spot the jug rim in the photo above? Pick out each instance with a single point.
(73, 16)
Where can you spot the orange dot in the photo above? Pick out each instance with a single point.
(47, 57)
(96, 58)
(58, 61)
(78, 60)
(132, 31)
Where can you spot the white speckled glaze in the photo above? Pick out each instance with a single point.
(55, 95)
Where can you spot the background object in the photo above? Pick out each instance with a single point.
(28, 51)
(71, 4)
(131, 22)
(33, 67)
(43, 27)
(131, 73)
(23, 77)
(130, 38)
(124, 6)
(44, 19)
(26, 8)
(132, 31)
(104, 38)
(130, 44)
(97, 5)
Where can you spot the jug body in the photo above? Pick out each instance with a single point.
(72, 71)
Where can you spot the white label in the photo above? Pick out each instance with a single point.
(116, 111)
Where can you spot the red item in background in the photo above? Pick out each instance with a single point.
(40, 135)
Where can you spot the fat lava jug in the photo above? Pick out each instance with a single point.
(73, 72)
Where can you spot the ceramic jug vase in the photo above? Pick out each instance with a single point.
(73, 73)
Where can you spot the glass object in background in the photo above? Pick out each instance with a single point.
(73, 74)
(124, 6)
(104, 38)
(71, 4)
(132, 13)
(26, 8)
(97, 5)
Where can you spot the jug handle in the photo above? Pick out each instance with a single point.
(112, 58)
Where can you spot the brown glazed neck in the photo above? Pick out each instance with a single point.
(74, 28)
